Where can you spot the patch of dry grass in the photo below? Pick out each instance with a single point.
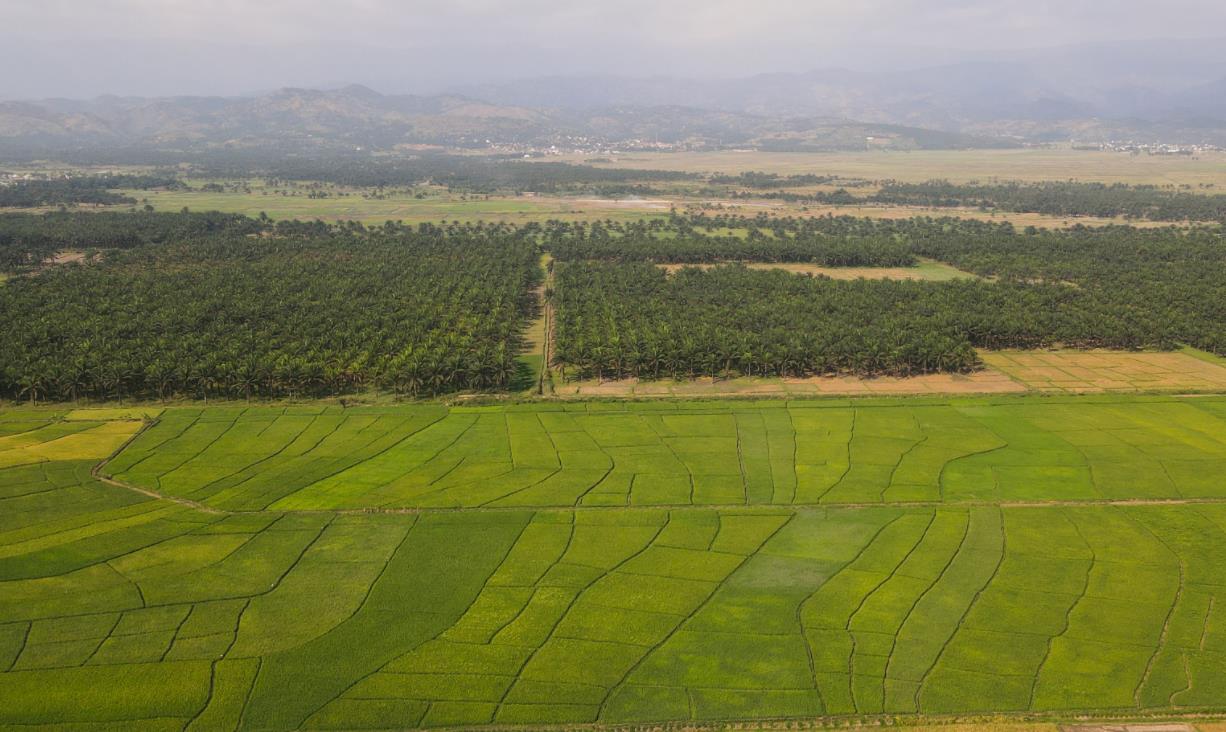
(981, 382)
(1107, 371)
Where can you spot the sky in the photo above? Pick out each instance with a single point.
(84, 48)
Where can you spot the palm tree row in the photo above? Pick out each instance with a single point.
(617, 320)
(239, 317)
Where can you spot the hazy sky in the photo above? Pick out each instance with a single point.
(90, 47)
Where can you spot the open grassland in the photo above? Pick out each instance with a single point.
(957, 166)
(1017, 595)
(680, 454)
(523, 209)
(406, 208)
(520, 209)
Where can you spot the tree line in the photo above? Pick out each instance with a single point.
(29, 241)
(1112, 287)
(615, 320)
(72, 191)
(759, 179)
(1171, 280)
(476, 174)
(1062, 199)
(1054, 198)
(677, 240)
(211, 305)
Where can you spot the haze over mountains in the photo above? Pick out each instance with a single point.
(1161, 91)
(1146, 78)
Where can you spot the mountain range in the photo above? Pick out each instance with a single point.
(356, 116)
(1143, 88)
(1152, 91)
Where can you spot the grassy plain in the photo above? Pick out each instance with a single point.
(1009, 588)
(1030, 164)
(404, 207)
(523, 209)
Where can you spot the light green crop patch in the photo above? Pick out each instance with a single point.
(688, 454)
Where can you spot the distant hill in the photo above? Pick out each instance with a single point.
(829, 96)
(353, 115)
(1174, 90)
(356, 116)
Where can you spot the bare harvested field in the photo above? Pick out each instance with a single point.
(987, 381)
(927, 270)
(1108, 371)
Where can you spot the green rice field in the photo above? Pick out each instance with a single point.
(312, 567)
(592, 454)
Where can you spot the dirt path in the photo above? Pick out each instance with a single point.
(537, 338)
(540, 335)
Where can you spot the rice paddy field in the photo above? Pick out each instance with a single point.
(313, 567)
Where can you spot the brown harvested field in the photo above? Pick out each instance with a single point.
(1107, 371)
(1061, 372)
(927, 270)
(68, 257)
(980, 382)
